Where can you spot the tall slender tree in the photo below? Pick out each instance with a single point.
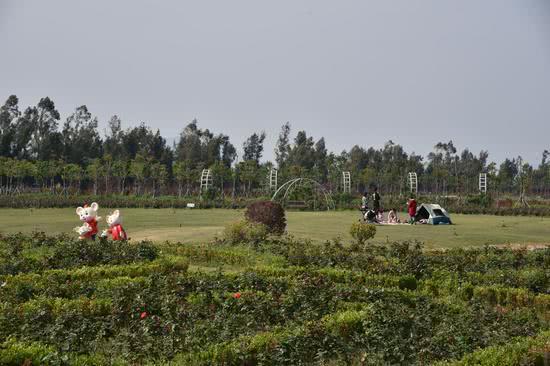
(9, 113)
(45, 139)
(253, 147)
(283, 146)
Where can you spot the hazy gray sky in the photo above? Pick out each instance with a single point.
(356, 72)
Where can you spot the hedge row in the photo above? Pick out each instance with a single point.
(43, 200)
(513, 297)
(535, 279)
(15, 353)
(400, 258)
(398, 328)
(519, 351)
(203, 309)
(443, 283)
(20, 253)
(339, 334)
(168, 314)
(40, 200)
(86, 281)
(513, 268)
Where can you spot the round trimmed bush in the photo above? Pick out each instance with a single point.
(362, 232)
(271, 214)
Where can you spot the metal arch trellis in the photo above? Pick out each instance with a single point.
(413, 182)
(346, 180)
(287, 186)
(206, 180)
(273, 179)
(483, 182)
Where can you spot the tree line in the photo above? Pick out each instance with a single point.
(39, 152)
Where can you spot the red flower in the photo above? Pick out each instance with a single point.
(143, 315)
(237, 295)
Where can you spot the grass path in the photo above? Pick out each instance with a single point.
(202, 225)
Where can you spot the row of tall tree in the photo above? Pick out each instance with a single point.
(39, 151)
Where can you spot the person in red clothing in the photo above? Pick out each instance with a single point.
(115, 227)
(411, 208)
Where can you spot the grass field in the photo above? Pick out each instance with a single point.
(191, 226)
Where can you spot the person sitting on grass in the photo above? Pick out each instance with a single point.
(411, 208)
(380, 215)
(370, 217)
(392, 217)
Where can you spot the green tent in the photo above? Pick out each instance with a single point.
(435, 214)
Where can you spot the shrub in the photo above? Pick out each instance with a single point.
(245, 232)
(76, 253)
(235, 232)
(408, 283)
(480, 200)
(271, 214)
(362, 232)
(256, 233)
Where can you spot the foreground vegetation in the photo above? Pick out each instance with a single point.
(277, 300)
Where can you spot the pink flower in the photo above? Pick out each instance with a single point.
(143, 315)
(237, 295)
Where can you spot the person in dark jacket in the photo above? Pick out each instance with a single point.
(376, 201)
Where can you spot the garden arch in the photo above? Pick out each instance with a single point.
(284, 190)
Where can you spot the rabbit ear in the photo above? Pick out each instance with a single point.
(79, 210)
(94, 206)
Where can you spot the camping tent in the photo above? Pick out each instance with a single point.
(435, 214)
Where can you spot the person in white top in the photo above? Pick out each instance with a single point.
(392, 217)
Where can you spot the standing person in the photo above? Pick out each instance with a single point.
(364, 202)
(376, 200)
(411, 207)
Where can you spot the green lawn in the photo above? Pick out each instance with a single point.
(202, 225)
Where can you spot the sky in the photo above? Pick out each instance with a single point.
(355, 72)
